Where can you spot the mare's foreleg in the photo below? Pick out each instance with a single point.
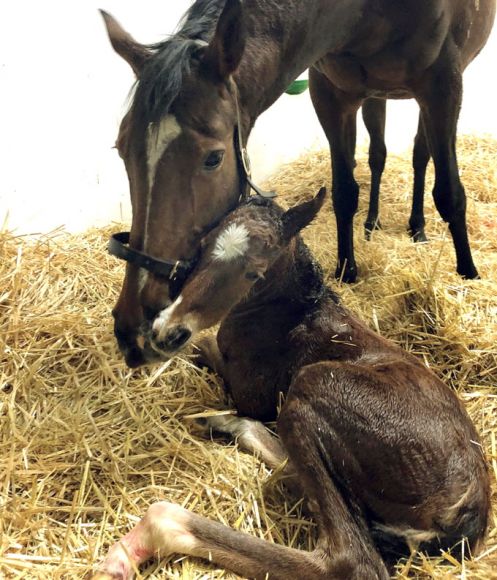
(439, 97)
(337, 114)
(420, 159)
(374, 115)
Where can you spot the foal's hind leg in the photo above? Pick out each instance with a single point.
(315, 447)
(420, 158)
(439, 97)
(337, 114)
(374, 114)
(344, 550)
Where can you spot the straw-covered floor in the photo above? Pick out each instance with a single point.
(86, 444)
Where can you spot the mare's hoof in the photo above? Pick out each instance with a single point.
(347, 274)
(370, 227)
(470, 273)
(418, 236)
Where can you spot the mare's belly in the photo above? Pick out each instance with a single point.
(390, 49)
(389, 80)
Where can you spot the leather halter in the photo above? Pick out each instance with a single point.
(176, 272)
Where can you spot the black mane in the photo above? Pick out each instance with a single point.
(161, 79)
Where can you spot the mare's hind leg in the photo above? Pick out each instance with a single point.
(439, 97)
(337, 114)
(420, 158)
(374, 114)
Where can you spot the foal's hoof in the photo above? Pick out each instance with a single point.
(347, 274)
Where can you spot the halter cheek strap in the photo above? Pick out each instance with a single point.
(242, 154)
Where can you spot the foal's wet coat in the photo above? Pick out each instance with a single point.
(382, 450)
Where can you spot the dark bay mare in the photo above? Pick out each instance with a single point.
(382, 450)
(200, 92)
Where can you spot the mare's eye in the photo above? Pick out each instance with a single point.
(253, 276)
(213, 160)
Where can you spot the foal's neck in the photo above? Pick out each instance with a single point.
(283, 40)
(294, 279)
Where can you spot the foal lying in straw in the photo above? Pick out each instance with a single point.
(383, 451)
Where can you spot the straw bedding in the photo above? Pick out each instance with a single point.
(87, 444)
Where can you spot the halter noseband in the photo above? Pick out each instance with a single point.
(176, 272)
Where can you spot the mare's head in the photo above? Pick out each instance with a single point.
(234, 260)
(177, 144)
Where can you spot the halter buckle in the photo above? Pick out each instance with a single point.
(174, 271)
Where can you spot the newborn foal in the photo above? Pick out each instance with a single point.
(384, 452)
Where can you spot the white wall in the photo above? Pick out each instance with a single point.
(63, 91)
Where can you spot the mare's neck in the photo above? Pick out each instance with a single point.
(285, 38)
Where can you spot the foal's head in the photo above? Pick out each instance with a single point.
(177, 143)
(235, 259)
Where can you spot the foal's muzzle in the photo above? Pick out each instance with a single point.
(173, 340)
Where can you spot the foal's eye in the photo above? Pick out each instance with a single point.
(253, 276)
(213, 160)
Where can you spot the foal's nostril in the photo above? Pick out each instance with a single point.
(176, 338)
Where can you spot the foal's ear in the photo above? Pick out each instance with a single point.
(134, 53)
(300, 216)
(225, 50)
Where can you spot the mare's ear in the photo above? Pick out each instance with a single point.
(134, 53)
(300, 216)
(225, 50)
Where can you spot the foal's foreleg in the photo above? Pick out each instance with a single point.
(206, 353)
(440, 100)
(253, 437)
(168, 528)
(374, 115)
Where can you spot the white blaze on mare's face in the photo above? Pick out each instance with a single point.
(159, 137)
(232, 243)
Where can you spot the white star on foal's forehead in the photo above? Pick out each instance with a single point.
(231, 243)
